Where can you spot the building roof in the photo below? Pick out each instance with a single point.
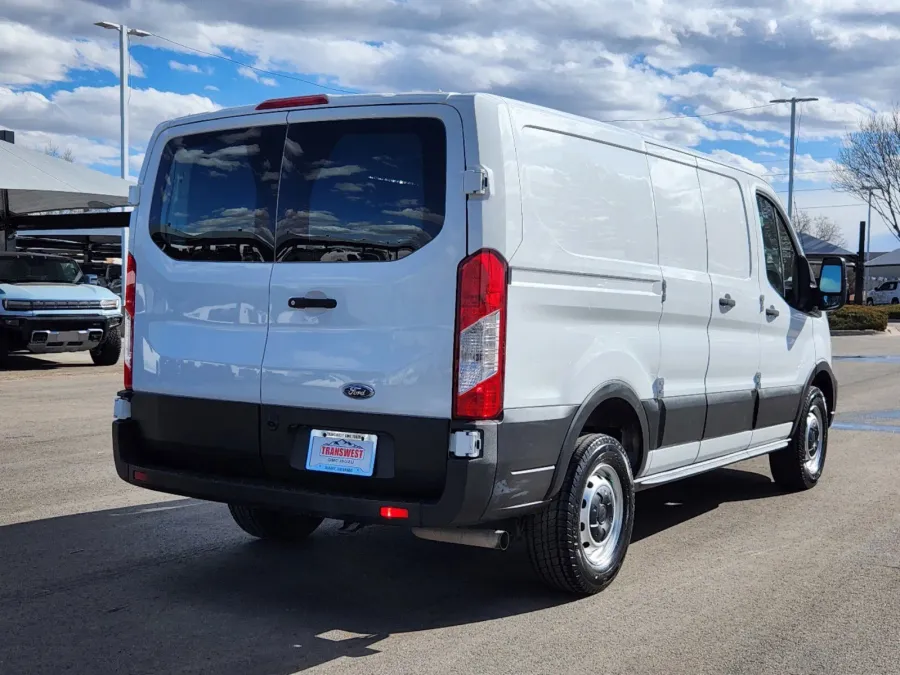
(37, 182)
(815, 246)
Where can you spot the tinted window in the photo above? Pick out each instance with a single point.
(215, 195)
(361, 190)
(781, 255)
(726, 225)
(29, 269)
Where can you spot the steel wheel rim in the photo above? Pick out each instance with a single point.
(601, 514)
(813, 442)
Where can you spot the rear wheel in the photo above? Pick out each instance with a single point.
(109, 351)
(894, 301)
(273, 525)
(578, 542)
(800, 465)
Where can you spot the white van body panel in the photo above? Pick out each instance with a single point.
(200, 329)
(586, 289)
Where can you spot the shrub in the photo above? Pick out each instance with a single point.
(858, 317)
(892, 311)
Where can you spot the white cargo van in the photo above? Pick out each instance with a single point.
(461, 314)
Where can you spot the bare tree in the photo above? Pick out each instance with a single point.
(53, 151)
(870, 160)
(821, 227)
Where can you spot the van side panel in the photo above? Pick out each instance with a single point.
(684, 342)
(585, 293)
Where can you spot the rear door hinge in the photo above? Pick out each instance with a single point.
(757, 380)
(664, 286)
(476, 182)
(659, 387)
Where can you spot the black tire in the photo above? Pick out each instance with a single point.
(107, 353)
(273, 525)
(895, 301)
(870, 302)
(554, 535)
(792, 468)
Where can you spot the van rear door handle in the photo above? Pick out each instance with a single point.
(772, 312)
(727, 301)
(312, 303)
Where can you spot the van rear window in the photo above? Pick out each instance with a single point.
(361, 190)
(215, 195)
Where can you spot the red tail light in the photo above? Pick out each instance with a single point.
(130, 279)
(293, 102)
(480, 337)
(394, 512)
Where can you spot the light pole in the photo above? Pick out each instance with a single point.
(124, 32)
(793, 101)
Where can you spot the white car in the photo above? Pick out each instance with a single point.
(545, 315)
(885, 294)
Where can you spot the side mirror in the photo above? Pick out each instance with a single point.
(832, 284)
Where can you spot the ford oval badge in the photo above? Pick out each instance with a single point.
(360, 391)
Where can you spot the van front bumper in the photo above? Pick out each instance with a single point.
(511, 478)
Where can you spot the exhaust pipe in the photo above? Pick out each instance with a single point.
(495, 539)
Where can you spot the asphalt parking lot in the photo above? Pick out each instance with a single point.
(724, 575)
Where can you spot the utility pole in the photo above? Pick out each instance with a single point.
(124, 32)
(868, 241)
(793, 101)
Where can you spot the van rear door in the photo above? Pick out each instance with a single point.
(370, 231)
(204, 251)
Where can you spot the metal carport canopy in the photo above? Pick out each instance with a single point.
(887, 265)
(33, 182)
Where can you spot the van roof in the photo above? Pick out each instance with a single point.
(446, 97)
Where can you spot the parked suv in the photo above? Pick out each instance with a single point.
(461, 314)
(46, 307)
(885, 294)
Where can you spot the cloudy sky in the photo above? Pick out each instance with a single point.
(612, 60)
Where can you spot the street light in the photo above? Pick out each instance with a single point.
(124, 32)
(793, 101)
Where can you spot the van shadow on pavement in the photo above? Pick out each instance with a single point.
(175, 587)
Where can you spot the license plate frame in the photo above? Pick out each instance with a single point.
(345, 453)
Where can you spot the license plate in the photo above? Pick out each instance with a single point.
(341, 452)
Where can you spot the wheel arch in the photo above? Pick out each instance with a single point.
(822, 376)
(631, 427)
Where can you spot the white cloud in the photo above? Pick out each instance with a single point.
(184, 67)
(211, 87)
(93, 112)
(29, 57)
(251, 74)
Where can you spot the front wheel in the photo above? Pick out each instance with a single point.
(870, 302)
(273, 525)
(577, 543)
(800, 465)
(107, 353)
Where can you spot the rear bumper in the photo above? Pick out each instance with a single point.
(511, 478)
